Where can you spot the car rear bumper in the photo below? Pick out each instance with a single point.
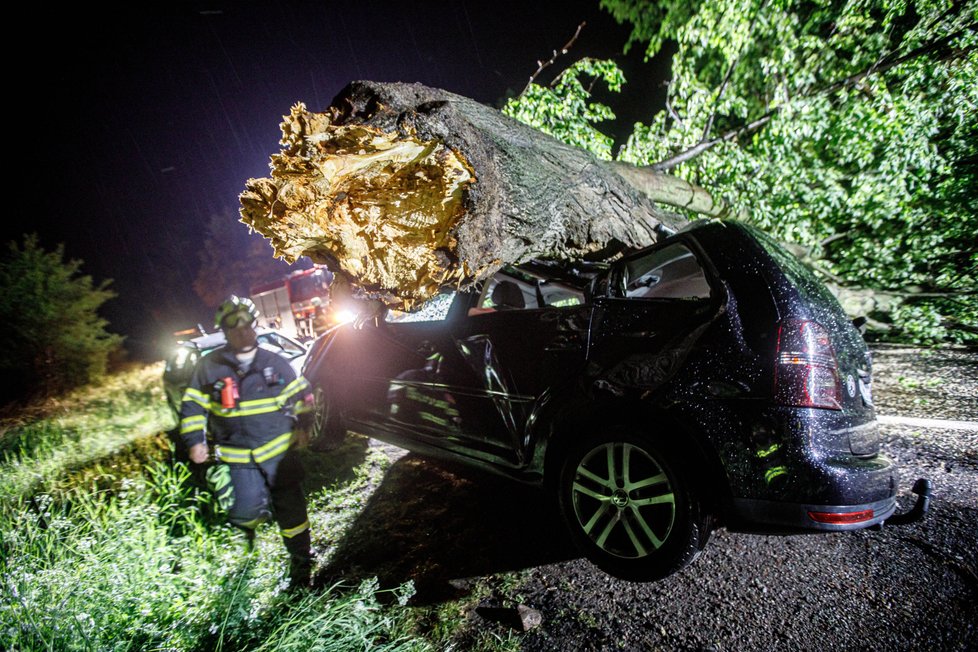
(773, 516)
(830, 493)
(767, 515)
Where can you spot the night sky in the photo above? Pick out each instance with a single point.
(148, 120)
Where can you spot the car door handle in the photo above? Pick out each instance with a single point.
(566, 342)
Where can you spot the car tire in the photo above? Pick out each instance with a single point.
(328, 430)
(628, 507)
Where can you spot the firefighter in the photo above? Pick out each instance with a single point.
(247, 401)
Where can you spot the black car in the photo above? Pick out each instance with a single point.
(709, 380)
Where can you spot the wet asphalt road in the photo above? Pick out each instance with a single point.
(903, 588)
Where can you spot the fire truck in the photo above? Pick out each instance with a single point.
(289, 304)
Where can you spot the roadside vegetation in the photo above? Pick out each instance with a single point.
(846, 129)
(107, 544)
(53, 337)
(42, 446)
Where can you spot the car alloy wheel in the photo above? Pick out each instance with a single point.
(623, 500)
(630, 506)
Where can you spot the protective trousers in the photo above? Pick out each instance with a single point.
(273, 488)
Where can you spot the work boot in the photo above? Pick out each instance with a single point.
(300, 560)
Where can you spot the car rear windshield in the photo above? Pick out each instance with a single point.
(802, 277)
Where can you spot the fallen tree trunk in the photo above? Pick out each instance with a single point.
(407, 189)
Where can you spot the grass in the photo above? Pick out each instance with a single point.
(917, 383)
(105, 544)
(65, 434)
(139, 568)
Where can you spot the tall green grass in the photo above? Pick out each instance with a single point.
(102, 571)
(37, 450)
(102, 550)
(139, 568)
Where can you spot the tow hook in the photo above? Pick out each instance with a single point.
(922, 488)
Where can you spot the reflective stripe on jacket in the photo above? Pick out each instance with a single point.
(259, 424)
(263, 453)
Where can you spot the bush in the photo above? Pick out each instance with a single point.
(52, 337)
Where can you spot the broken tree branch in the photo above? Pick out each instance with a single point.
(543, 65)
(702, 146)
(407, 189)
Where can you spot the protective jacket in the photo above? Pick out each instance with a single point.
(249, 415)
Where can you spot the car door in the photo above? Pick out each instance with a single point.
(655, 306)
(466, 372)
(523, 337)
(394, 376)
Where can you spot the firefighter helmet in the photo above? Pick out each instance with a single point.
(235, 311)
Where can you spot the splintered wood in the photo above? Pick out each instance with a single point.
(405, 189)
(379, 206)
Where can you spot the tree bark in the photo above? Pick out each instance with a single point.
(407, 189)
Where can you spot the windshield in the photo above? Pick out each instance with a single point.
(435, 309)
(304, 288)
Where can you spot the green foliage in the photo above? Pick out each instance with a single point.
(563, 109)
(99, 571)
(53, 338)
(342, 620)
(132, 559)
(883, 168)
(653, 23)
(850, 128)
(105, 571)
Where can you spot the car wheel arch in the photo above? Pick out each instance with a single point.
(616, 484)
(328, 425)
(690, 453)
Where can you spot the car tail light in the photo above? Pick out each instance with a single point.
(841, 518)
(807, 374)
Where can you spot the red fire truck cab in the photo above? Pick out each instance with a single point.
(289, 304)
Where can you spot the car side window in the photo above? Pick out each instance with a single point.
(435, 309)
(505, 292)
(289, 348)
(668, 273)
(559, 295)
